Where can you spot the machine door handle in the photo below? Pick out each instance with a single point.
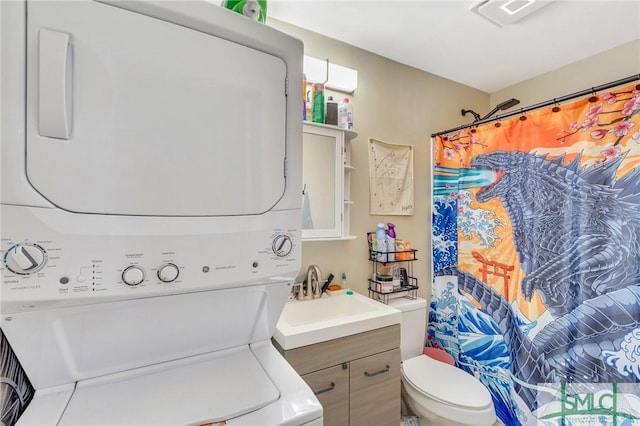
(375, 373)
(330, 388)
(55, 84)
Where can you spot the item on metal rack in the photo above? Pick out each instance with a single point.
(381, 243)
(403, 250)
(391, 242)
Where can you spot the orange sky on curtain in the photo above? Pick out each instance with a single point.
(593, 127)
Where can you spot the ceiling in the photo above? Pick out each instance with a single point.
(447, 39)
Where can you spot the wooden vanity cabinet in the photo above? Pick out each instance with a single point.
(356, 378)
(331, 386)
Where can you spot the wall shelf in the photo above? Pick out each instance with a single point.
(406, 286)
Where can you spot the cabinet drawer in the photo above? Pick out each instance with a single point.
(331, 387)
(334, 352)
(375, 389)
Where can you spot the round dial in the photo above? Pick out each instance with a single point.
(25, 259)
(168, 272)
(133, 275)
(282, 245)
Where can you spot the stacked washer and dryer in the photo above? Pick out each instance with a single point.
(151, 180)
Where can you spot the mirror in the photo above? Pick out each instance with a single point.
(322, 183)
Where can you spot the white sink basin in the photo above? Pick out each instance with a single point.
(306, 322)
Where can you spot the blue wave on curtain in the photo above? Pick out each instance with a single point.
(536, 249)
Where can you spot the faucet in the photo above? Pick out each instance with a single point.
(314, 281)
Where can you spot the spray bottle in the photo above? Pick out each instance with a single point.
(391, 242)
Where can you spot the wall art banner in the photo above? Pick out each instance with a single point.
(536, 249)
(390, 178)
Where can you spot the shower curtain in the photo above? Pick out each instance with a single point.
(536, 256)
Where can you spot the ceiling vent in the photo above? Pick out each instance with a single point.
(506, 12)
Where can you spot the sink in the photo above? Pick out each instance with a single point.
(305, 322)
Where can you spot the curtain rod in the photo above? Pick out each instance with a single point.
(553, 101)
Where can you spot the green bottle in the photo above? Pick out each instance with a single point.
(254, 9)
(317, 113)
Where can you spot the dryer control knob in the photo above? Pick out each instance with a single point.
(25, 258)
(133, 275)
(282, 245)
(168, 272)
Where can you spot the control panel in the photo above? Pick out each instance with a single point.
(52, 269)
(24, 259)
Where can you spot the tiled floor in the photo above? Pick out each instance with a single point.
(411, 421)
(415, 421)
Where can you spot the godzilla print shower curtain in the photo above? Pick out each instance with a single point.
(536, 248)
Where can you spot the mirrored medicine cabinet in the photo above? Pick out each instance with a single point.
(326, 172)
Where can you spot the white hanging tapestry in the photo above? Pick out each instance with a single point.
(390, 178)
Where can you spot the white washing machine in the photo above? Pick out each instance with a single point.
(150, 229)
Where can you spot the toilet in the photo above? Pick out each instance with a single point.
(438, 392)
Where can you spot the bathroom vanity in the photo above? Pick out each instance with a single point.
(355, 377)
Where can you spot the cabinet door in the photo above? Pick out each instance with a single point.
(375, 390)
(323, 174)
(331, 386)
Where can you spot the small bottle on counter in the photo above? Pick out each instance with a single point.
(344, 280)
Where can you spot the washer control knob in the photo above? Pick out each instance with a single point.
(133, 275)
(168, 272)
(282, 245)
(25, 258)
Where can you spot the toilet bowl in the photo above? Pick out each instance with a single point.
(434, 390)
(445, 394)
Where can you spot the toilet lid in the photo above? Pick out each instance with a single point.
(445, 383)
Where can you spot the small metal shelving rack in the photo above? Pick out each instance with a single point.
(408, 290)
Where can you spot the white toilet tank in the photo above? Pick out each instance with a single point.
(413, 325)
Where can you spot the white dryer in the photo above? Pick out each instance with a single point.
(150, 229)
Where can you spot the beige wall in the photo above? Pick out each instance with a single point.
(614, 64)
(397, 104)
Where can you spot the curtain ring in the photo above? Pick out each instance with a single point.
(522, 116)
(555, 108)
(593, 98)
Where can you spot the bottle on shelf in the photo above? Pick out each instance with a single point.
(317, 114)
(381, 243)
(309, 106)
(345, 114)
(331, 113)
(391, 242)
(304, 97)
